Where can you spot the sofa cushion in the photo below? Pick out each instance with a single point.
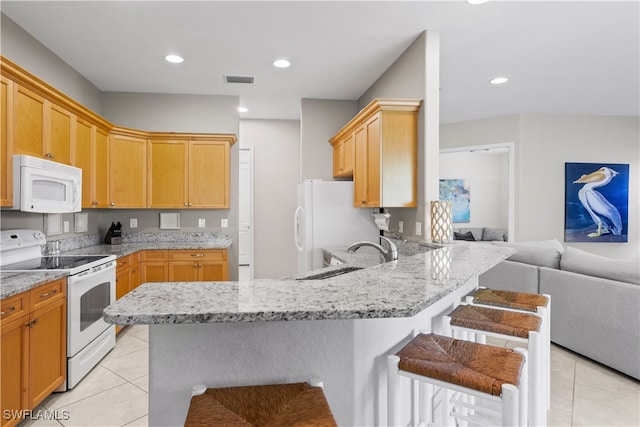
(622, 270)
(468, 236)
(494, 234)
(544, 253)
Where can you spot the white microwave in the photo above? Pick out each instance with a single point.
(44, 186)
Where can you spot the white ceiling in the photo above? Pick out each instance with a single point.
(572, 57)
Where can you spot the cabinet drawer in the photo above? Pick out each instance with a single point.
(127, 261)
(14, 307)
(198, 254)
(154, 256)
(49, 292)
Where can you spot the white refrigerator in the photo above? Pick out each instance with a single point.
(325, 217)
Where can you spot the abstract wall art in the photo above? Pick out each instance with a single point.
(457, 191)
(596, 202)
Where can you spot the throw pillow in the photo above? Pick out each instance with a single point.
(622, 270)
(468, 236)
(543, 253)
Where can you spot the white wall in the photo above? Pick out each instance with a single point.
(277, 164)
(543, 143)
(487, 174)
(320, 119)
(415, 74)
(21, 48)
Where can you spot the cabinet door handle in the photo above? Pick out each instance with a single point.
(11, 310)
(32, 323)
(113, 204)
(53, 292)
(197, 255)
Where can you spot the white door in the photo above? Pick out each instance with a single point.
(245, 227)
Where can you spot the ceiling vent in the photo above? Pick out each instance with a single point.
(248, 80)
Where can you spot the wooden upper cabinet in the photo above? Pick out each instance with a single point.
(100, 154)
(6, 114)
(82, 158)
(59, 135)
(91, 153)
(29, 121)
(167, 184)
(209, 174)
(127, 171)
(385, 136)
(41, 129)
(185, 170)
(188, 174)
(343, 156)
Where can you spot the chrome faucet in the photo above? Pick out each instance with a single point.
(389, 255)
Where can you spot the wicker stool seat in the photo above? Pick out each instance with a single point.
(285, 405)
(500, 322)
(508, 299)
(462, 367)
(475, 323)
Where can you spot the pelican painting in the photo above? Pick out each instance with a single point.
(601, 195)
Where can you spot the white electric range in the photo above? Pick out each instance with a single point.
(91, 287)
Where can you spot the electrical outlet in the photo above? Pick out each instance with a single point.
(133, 222)
(65, 226)
(202, 223)
(418, 229)
(224, 223)
(400, 226)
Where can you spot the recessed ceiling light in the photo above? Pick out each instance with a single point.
(474, 2)
(498, 80)
(281, 63)
(242, 109)
(174, 59)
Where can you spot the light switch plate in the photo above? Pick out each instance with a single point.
(202, 223)
(133, 222)
(400, 226)
(66, 226)
(418, 229)
(224, 223)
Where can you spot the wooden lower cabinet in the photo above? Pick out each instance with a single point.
(198, 265)
(34, 348)
(127, 277)
(154, 266)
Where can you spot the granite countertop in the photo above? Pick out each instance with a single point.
(399, 288)
(15, 283)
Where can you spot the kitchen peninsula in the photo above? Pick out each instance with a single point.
(339, 329)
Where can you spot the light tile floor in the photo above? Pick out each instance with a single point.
(115, 393)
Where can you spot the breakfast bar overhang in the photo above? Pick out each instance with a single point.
(339, 329)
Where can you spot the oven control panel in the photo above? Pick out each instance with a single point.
(13, 239)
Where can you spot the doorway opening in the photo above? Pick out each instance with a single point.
(491, 170)
(246, 213)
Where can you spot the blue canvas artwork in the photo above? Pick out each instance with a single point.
(457, 191)
(596, 202)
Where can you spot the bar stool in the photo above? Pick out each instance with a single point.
(495, 377)
(539, 304)
(475, 323)
(291, 405)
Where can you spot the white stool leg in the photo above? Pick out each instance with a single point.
(523, 396)
(510, 403)
(393, 390)
(537, 380)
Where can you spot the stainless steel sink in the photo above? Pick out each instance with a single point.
(332, 273)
